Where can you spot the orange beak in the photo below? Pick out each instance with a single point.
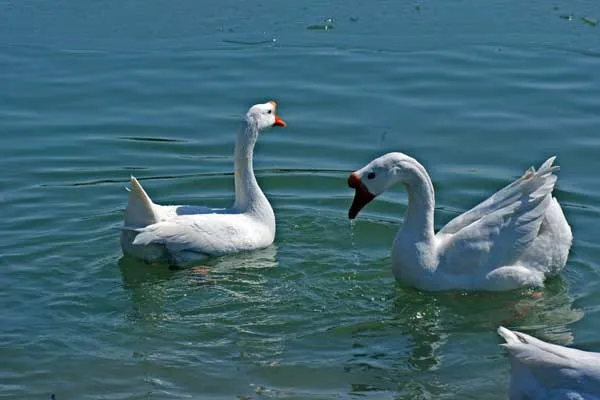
(362, 196)
(278, 121)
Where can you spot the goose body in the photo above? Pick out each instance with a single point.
(515, 238)
(182, 234)
(545, 371)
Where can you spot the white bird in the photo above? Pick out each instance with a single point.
(544, 371)
(182, 234)
(515, 238)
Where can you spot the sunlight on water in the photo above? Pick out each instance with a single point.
(95, 91)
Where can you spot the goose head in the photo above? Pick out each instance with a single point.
(263, 116)
(378, 176)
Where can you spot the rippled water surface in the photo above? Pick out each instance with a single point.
(93, 92)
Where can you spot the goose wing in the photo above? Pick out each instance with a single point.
(495, 234)
(210, 234)
(504, 197)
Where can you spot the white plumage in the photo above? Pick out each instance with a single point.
(515, 238)
(182, 234)
(544, 371)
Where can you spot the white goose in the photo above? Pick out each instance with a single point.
(544, 371)
(514, 238)
(181, 234)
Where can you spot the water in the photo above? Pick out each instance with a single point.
(93, 92)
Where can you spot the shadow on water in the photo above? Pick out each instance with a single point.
(137, 273)
(151, 139)
(148, 285)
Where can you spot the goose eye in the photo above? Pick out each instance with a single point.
(270, 111)
(371, 175)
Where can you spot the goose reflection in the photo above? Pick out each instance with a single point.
(549, 315)
(425, 328)
(152, 289)
(430, 319)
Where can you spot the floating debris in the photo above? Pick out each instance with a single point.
(325, 26)
(383, 137)
(590, 21)
(353, 19)
(250, 43)
(587, 20)
(319, 27)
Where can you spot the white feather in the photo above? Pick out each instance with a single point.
(516, 237)
(177, 234)
(541, 370)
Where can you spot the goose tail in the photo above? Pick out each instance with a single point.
(140, 208)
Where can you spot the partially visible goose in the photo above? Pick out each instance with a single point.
(181, 234)
(544, 371)
(515, 238)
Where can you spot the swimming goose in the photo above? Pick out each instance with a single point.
(544, 371)
(182, 234)
(515, 238)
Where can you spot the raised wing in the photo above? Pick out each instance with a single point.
(500, 236)
(503, 198)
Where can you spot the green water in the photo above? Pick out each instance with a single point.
(92, 92)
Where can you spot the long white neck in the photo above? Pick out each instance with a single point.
(418, 219)
(414, 252)
(249, 198)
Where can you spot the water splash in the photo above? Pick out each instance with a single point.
(353, 243)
